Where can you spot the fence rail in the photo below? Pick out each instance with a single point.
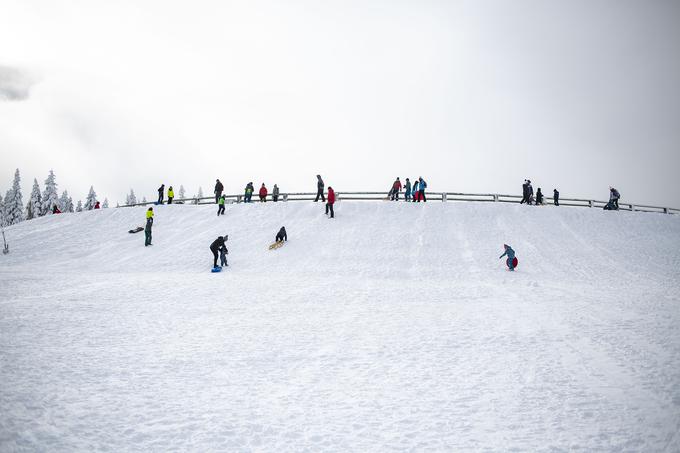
(431, 196)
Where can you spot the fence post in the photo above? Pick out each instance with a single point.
(238, 198)
(495, 198)
(590, 203)
(444, 196)
(632, 208)
(665, 210)
(285, 197)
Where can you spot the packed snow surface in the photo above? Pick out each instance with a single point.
(391, 327)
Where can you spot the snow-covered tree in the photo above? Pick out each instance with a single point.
(144, 200)
(65, 202)
(105, 204)
(91, 200)
(50, 197)
(34, 207)
(79, 206)
(14, 204)
(181, 192)
(131, 198)
(2, 212)
(200, 192)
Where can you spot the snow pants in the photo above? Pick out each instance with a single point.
(169, 200)
(147, 236)
(160, 198)
(223, 259)
(220, 210)
(421, 195)
(214, 252)
(319, 193)
(509, 263)
(407, 195)
(329, 207)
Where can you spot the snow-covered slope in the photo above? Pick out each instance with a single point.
(392, 326)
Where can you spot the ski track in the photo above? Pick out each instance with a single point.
(392, 327)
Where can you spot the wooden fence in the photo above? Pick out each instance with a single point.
(431, 196)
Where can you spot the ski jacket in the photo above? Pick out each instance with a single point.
(221, 201)
(276, 190)
(320, 184)
(615, 195)
(263, 191)
(396, 186)
(161, 189)
(331, 196)
(149, 214)
(171, 193)
(217, 243)
(509, 252)
(249, 188)
(219, 187)
(423, 185)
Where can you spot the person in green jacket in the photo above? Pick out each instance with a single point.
(171, 195)
(147, 228)
(220, 204)
(248, 193)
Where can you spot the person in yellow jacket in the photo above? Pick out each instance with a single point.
(171, 195)
(220, 204)
(147, 229)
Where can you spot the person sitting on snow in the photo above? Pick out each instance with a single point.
(282, 235)
(511, 256)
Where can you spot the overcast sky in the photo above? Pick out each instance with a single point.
(473, 95)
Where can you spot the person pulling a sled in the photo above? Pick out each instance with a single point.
(282, 235)
(510, 253)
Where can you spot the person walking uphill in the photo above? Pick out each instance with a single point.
(220, 206)
(396, 188)
(510, 253)
(263, 194)
(147, 228)
(319, 189)
(171, 195)
(218, 191)
(331, 201)
(161, 191)
(215, 247)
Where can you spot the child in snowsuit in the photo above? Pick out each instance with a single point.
(220, 206)
(223, 255)
(282, 235)
(511, 256)
(539, 197)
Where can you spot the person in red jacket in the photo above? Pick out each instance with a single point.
(331, 200)
(396, 188)
(96, 205)
(263, 193)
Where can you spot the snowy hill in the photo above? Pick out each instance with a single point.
(393, 326)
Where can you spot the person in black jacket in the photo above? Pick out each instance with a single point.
(161, 190)
(218, 190)
(319, 189)
(525, 192)
(215, 247)
(556, 197)
(539, 197)
(282, 235)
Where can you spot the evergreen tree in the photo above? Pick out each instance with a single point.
(50, 197)
(65, 202)
(14, 204)
(2, 212)
(131, 198)
(34, 208)
(144, 200)
(105, 204)
(79, 206)
(91, 200)
(181, 192)
(200, 192)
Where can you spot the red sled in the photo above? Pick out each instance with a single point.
(514, 263)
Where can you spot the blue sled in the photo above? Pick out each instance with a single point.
(216, 269)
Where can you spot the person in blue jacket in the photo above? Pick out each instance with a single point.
(511, 256)
(421, 189)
